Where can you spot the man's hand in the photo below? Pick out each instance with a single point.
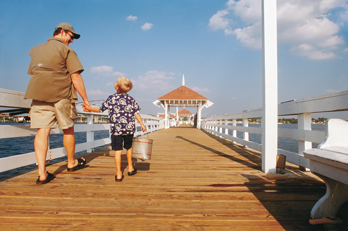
(86, 106)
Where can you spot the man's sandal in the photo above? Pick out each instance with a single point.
(132, 172)
(81, 163)
(48, 179)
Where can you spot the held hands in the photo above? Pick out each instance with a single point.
(86, 107)
(89, 108)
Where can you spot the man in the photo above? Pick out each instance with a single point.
(55, 77)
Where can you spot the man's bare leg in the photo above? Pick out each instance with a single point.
(69, 145)
(41, 147)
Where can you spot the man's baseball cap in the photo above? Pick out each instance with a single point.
(67, 26)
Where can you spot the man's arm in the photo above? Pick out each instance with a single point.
(80, 87)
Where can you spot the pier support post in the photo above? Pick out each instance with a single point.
(269, 86)
(199, 115)
(166, 116)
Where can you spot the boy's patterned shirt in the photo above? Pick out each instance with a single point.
(122, 110)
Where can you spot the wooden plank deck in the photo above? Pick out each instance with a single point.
(195, 181)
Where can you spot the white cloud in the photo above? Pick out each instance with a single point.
(344, 14)
(154, 80)
(105, 71)
(248, 10)
(299, 22)
(311, 52)
(218, 21)
(314, 30)
(132, 18)
(250, 36)
(147, 26)
(345, 50)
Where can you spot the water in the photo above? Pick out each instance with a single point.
(283, 143)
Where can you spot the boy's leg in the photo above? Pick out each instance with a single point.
(41, 147)
(116, 144)
(118, 163)
(130, 160)
(128, 144)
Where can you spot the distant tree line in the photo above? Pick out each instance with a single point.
(285, 120)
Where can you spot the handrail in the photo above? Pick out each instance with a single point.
(15, 99)
(302, 108)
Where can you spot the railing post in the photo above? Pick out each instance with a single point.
(90, 134)
(234, 132)
(226, 129)
(220, 129)
(304, 123)
(269, 86)
(245, 134)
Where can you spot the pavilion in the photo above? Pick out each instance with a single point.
(184, 113)
(183, 97)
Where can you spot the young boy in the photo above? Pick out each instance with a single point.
(123, 110)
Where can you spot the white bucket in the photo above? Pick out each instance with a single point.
(142, 148)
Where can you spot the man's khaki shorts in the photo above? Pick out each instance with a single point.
(46, 115)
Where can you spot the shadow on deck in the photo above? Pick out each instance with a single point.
(195, 181)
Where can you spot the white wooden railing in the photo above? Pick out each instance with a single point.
(301, 108)
(14, 99)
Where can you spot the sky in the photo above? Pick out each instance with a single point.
(216, 44)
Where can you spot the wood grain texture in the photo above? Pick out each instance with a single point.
(194, 181)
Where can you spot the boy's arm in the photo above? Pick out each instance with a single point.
(138, 117)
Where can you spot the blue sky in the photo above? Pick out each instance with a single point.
(215, 43)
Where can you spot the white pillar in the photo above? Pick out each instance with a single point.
(226, 129)
(199, 115)
(177, 114)
(166, 117)
(269, 86)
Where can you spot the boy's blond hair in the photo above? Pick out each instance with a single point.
(124, 84)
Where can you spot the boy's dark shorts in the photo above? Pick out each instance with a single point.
(116, 142)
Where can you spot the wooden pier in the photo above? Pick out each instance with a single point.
(194, 181)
